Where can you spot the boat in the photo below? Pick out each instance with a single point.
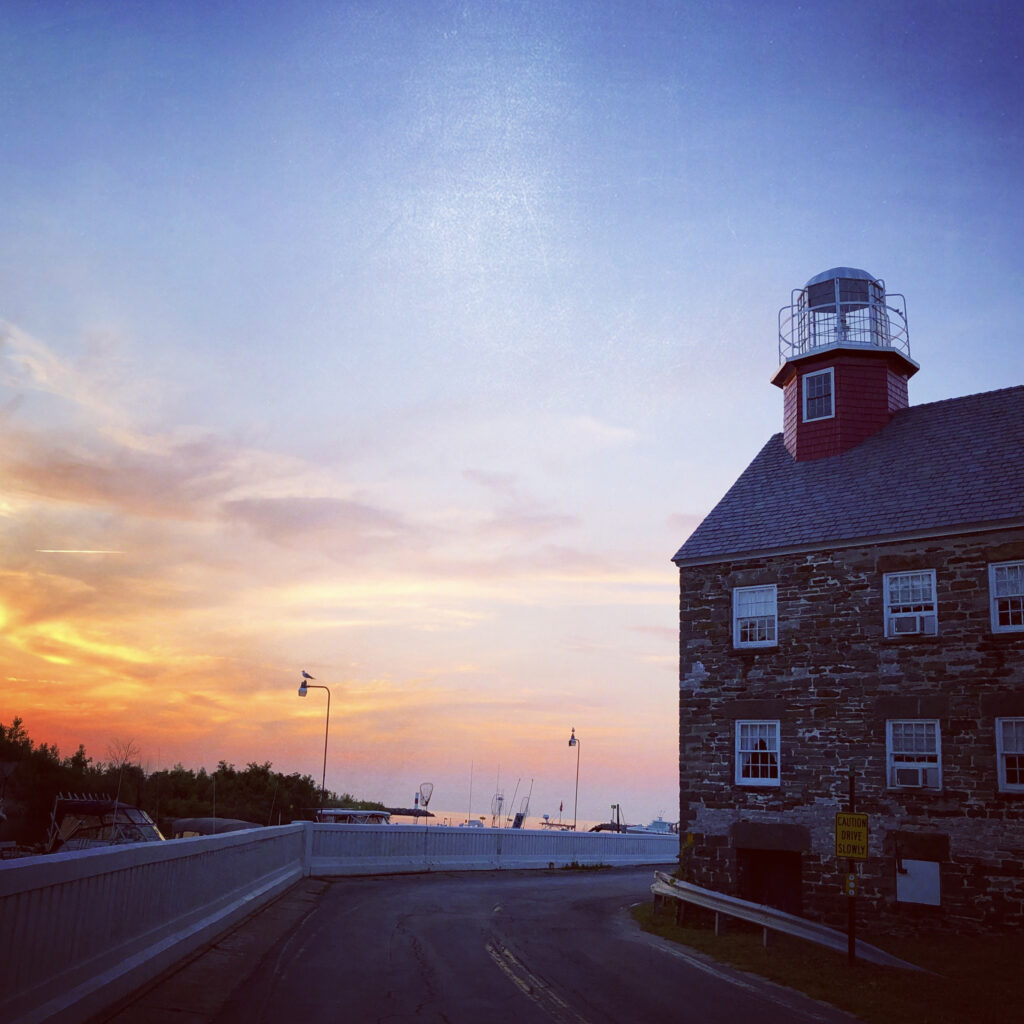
(86, 821)
(189, 828)
(618, 825)
(659, 827)
(409, 812)
(558, 826)
(352, 816)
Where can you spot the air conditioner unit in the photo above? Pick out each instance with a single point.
(915, 776)
(908, 776)
(902, 625)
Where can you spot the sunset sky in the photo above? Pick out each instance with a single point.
(406, 342)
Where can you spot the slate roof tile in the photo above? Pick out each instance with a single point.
(932, 467)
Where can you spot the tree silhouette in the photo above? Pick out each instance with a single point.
(36, 774)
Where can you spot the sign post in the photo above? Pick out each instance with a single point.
(851, 843)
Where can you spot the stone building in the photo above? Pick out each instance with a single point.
(854, 605)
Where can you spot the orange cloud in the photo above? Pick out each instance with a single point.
(448, 629)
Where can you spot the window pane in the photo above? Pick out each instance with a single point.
(818, 395)
(757, 750)
(1011, 750)
(913, 754)
(1009, 580)
(1013, 736)
(913, 738)
(758, 736)
(911, 592)
(757, 630)
(1008, 595)
(755, 601)
(754, 615)
(1011, 611)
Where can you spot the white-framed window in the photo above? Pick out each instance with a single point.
(757, 753)
(819, 395)
(913, 754)
(1010, 754)
(1006, 587)
(910, 605)
(754, 616)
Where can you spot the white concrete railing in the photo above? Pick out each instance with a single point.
(82, 929)
(393, 849)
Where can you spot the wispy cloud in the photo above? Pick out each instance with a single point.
(596, 430)
(164, 576)
(179, 482)
(98, 385)
(77, 551)
(338, 525)
(504, 485)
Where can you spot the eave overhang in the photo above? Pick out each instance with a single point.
(835, 543)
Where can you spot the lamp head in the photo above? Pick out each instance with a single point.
(572, 739)
(302, 689)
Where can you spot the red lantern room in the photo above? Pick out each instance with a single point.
(844, 355)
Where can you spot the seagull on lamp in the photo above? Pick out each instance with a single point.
(306, 675)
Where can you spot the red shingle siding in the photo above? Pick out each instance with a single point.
(862, 400)
(867, 391)
(898, 397)
(790, 413)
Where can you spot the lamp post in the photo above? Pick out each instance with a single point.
(573, 742)
(304, 687)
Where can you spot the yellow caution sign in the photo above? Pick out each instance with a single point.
(852, 835)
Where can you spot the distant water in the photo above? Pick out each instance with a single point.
(457, 818)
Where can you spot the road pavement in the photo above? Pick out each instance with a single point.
(530, 947)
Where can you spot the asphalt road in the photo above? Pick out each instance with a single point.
(497, 948)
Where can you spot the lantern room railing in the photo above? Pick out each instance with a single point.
(855, 314)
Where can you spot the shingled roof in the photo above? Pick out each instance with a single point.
(934, 468)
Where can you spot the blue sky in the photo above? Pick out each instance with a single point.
(406, 343)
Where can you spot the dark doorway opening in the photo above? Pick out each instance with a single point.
(774, 877)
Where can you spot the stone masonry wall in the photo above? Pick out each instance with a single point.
(832, 681)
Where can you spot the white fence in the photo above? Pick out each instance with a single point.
(393, 849)
(82, 929)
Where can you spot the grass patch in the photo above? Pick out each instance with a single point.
(976, 980)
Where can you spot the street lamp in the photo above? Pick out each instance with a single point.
(573, 742)
(304, 687)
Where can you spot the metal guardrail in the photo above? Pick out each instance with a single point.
(770, 919)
